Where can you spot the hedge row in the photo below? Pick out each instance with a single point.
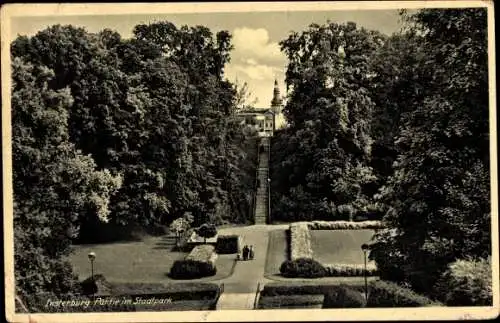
(310, 268)
(347, 270)
(199, 263)
(344, 225)
(276, 289)
(300, 241)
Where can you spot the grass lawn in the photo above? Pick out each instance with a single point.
(148, 260)
(339, 246)
(277, 251)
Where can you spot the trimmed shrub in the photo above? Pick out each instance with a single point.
(349, 270)
(302, 267)
(344, 297)
(228, 244)
(300, 241)
(386, 294)
(466, 283)
(275, 289)
(344, 225)
(199, 263)
(291, 301)
(191, 269)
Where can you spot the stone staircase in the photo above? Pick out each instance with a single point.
(262, 196)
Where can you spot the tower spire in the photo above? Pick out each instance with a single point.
(276, 101)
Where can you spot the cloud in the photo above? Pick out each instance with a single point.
(255, 44)
(253, 71)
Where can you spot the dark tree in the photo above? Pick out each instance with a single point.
(207, 231)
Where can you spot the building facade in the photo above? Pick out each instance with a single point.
(265, 120)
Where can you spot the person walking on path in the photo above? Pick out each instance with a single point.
(251, 252)
(245, 252)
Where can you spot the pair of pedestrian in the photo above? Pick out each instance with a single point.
(248, 252)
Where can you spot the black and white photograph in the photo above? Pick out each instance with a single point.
(265, 161)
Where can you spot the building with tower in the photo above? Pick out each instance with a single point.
(266, 120)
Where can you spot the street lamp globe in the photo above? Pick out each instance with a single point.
(91, 256)
(364, 247)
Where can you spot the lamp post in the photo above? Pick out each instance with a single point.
(92, 258)
(364, 247)
(268, 198)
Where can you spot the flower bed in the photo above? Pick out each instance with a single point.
(344, 225)
(346, 270)
(199, 263)
(203, 253)
(300, 241)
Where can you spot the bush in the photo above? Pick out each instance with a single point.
(344, 225)
(344, 297)
(349, 270)
(191, 269)
(387, 294)
(300, 241)
(302, 267)
(466, 283)
(96, 285)
(228, 244)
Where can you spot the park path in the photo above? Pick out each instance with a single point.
(241, 287)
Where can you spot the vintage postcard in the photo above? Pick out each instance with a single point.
(250, 161)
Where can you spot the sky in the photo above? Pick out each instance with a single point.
(256, 58)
